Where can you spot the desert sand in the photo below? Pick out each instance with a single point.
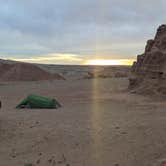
(99, 124)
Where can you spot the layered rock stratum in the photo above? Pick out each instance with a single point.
(148, 73)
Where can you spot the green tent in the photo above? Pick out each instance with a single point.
(34, 101)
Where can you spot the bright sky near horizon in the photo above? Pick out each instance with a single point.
(78, 31)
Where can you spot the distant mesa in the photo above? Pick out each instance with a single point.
(149, 71)
(109, 72)
(14, 71)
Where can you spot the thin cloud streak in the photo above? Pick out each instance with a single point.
(53, 59)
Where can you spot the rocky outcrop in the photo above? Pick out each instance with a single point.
(151, 65)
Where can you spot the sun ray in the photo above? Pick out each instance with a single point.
(96, 120)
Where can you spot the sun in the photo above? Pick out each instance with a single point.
(104, 62)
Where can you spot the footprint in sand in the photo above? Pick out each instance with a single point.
(161, 162)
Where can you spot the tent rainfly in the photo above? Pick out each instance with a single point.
(35, 101)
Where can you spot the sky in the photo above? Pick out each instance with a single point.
(77, 31)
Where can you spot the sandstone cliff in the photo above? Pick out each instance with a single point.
(149, 71)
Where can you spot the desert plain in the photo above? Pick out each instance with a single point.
(100, 123)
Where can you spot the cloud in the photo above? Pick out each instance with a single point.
(53, 59)
(112, 28)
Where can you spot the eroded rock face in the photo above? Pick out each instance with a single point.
(151, 65)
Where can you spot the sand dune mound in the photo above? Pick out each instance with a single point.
(25, 72)
(149, 72)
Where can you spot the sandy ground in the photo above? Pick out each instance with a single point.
(100, 124)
